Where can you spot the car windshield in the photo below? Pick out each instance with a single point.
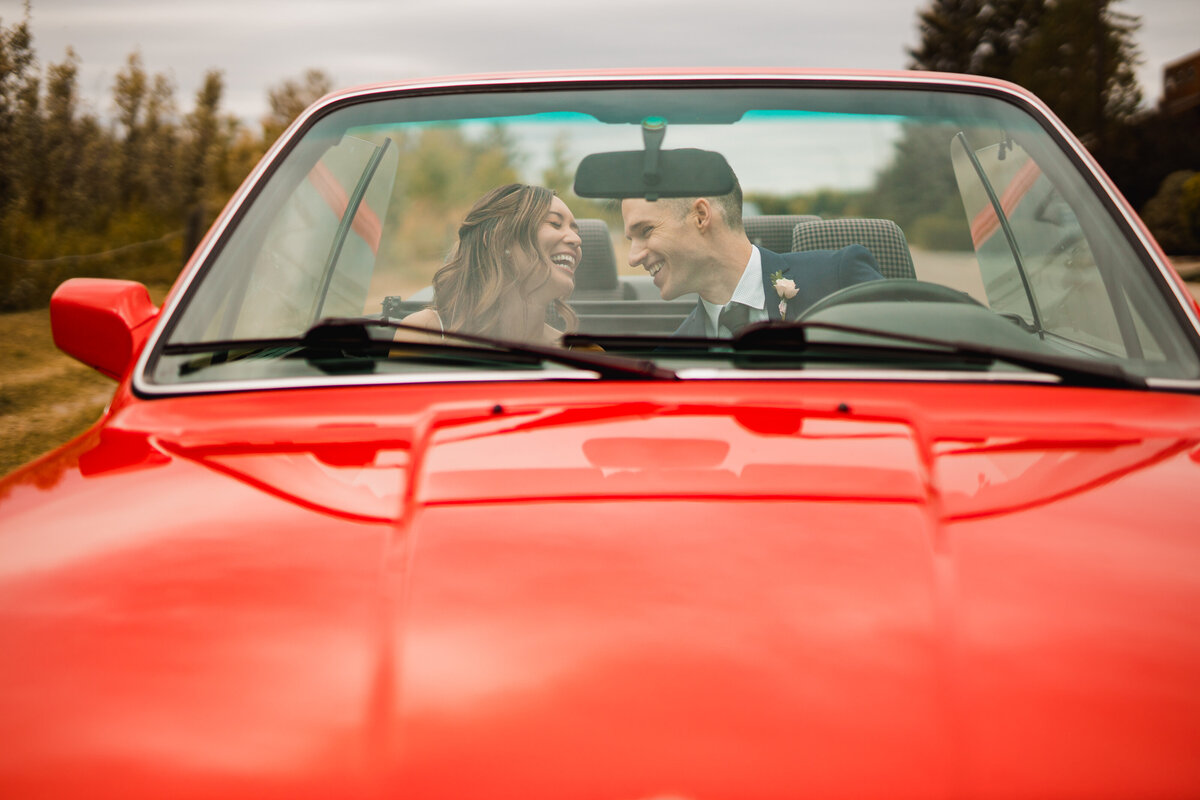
(522, 215)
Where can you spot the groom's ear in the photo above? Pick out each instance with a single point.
(701, 214)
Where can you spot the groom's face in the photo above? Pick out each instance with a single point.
(662, 242)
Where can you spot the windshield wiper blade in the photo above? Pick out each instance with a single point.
(353, 331)
(334, 339)
(771, 336)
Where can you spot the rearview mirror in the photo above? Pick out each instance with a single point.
(665, 173)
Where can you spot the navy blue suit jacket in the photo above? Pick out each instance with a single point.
(815, 272)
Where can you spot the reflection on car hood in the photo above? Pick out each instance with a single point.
(852, 594)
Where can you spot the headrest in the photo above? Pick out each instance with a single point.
(597, 271)
(774, 231)
(882, 237)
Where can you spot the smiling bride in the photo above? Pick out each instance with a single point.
(515, 258)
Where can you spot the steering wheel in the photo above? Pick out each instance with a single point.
(890, 289)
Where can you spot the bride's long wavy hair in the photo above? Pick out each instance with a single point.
(481, 289)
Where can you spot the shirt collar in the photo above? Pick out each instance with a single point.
(749, 291)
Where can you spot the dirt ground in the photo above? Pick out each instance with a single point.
(47, 398)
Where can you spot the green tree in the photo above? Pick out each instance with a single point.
(1082, 62)
(129, 96)
(981, 37)
(17, 80)
(558, 176)
(289, 99)
(444, 172)
(72, 189)
(1077, 55)
(201, 146)
(19, 87)
(918, 189)
(1173, 214)
(58, 157)
(96, 187)
(158, 175)
(492, 161)
(202, 138)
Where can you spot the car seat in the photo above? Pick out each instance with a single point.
(774, 231)
(882, 237)
(596, 275)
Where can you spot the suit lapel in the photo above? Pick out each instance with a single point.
(693, 324)
(772, 263)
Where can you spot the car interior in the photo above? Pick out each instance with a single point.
(602, 297)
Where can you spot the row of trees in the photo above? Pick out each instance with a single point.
(143, 185)
(128, 196)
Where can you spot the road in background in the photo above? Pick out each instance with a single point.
(1189, 268)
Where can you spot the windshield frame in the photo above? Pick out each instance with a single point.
(1182, 307)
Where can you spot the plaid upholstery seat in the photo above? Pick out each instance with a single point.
(774, 232)
(882, 237)
(597, 271)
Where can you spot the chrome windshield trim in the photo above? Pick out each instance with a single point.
(895, 375)
(588, 78)
(693, 374)
(266, 384)
(1173, 384)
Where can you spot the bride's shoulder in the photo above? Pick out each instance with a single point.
(427, 318)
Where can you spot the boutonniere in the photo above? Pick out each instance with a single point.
(785, 288)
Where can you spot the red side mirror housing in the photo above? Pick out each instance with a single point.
(102, 322)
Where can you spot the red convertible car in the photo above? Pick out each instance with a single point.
(442, 471)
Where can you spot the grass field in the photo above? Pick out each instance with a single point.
(46, 397)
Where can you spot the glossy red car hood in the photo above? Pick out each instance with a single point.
(446, 592)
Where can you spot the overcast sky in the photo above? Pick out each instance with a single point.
(258, 44)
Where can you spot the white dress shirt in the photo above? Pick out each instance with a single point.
(748, 292)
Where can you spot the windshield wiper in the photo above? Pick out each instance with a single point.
(770, 336)
(771, 342)
(348, 340)
(604, 364)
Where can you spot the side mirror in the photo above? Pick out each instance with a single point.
(102, 322)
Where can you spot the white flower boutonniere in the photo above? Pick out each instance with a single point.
(786, 289)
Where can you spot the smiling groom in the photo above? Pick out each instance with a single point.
(699, 245)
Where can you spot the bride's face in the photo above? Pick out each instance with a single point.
(559, 245)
